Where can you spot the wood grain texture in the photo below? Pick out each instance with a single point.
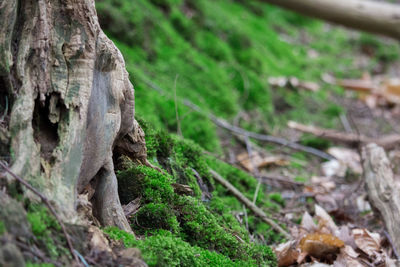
(383, 191)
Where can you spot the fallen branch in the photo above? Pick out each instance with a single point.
(281, 180)
(387, 142)
(383, 191)
(371, 16)
(47, 203)
(240, 131)
(256, 210)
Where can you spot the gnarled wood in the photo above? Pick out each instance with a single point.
(383, 191)
(71, 103)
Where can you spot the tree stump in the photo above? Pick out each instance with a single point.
(70, 103)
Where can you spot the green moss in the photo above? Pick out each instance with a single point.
(145, 182)
(39, 264)
(40, 220)
(277, 197)
(224, 62)
(316, 142)
(2, 228)
(47, 230)
(163, 248)
(300, 179)
(156, 216)
(208, 227)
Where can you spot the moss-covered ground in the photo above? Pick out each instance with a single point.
(219, 54)
(203, 229)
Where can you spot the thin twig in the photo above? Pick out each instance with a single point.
(47, 203)
(253, 167)
(246, 219)
(240, 131)
(391, 244)
(178, 122)
(256, 210)
(281, 180)
(345, 123)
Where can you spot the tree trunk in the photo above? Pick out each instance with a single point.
(68, 103)
(375, 17)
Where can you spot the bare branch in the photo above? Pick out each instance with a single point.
(371, 16)
(388, 141)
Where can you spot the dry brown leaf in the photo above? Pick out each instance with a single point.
(349, 157)
(273, 160)
(246, 162)
(368, 242)
(287, 253)
(344, 260)
(320, 245)
(391, 90)
(257, 161)
(325, 183)
(132, 207)
(346, 236)
(307, 222)
(349, 251)
(333, 168)
(324, 220)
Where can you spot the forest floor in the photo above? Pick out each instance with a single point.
(259, 67)
(209, 77)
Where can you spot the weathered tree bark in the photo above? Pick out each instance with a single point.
(71, 103)
(383, 191)
(376, 17)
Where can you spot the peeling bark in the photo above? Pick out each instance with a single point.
(71, 102)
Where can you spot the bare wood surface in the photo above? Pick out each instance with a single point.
(376, 17)
(387, 142)
(383, 191)
(256, 210)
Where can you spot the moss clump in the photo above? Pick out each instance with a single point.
(193, 222)
(39, 265)
(156, 216)
(190, 219)
(2, 228)
(179, 157)
(145, 182)
(46, 229)
(163, 248)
